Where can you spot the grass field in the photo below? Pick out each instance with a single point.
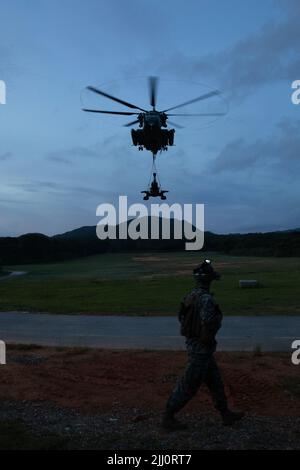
(150, 284)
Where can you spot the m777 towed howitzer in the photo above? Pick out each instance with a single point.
(154, 190)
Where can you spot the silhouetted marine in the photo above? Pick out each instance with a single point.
(200, 319)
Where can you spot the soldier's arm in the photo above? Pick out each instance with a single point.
(181, 310)
(211, 317)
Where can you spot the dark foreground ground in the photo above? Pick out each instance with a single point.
(59, 398)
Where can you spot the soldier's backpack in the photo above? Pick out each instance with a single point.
(189, 316)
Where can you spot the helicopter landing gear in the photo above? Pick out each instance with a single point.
(171, 133)
(134, 137)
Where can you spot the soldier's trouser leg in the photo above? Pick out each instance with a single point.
(215, 385)
(200, 368)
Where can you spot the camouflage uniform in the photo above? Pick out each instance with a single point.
(201, 366)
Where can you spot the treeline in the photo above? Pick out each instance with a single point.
(36, 248)
(277, 244)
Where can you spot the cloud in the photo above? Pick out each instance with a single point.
(281, 151)
(5, 156)
(266, 56)
(65, 156)
(35, 186)
(57, 188)
(238, 155)
(59, 159)
(85, 190)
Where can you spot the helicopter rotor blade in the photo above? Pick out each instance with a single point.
(153, 81)
(123, 113)
(200, 98)
(199, 114)
(132, 123)
(178, 126)
(125, 103)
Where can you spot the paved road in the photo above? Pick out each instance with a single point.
(270, 333)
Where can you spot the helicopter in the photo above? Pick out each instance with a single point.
(153, 133)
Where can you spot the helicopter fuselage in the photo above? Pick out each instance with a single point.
(152, 136)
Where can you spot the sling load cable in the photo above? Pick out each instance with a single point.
(154, 170)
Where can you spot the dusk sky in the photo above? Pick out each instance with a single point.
(58, 163)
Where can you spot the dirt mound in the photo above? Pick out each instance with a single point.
(96, 380)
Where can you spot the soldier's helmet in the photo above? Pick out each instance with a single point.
(205, 273)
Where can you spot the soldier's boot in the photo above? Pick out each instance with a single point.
(170, 423)
(230, 417)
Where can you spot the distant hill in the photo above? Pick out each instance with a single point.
(81, 233)
(83, 241)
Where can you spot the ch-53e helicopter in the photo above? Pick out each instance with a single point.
(153, 133)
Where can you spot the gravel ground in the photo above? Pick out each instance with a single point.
(77, 398)
(139, 429)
